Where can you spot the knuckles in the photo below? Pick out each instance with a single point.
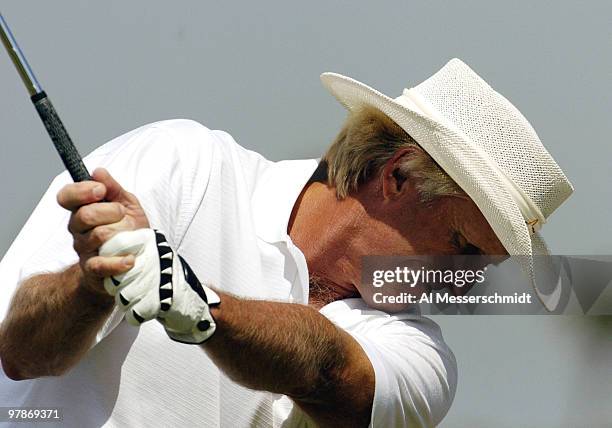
(77, 245)
(100, 235)
(62, 195)
(94, 265)
(85, 244)
(74, 194)
(86, 216)
(94, 215)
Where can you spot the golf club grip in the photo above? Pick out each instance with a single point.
(61, 140)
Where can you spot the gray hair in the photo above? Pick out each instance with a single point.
(367, 140)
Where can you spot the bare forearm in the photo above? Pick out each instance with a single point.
(293, 350)
(271, 346)
(51, 323)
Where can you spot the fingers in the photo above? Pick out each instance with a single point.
(114, 191)
(100, 210)
(102, 267)
(129, 287)
(74, 195)
(137, 291)
(90, 242)
(96, 214)
(128, 242)
(117, 283)
(144, 310)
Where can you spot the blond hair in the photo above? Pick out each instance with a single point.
(367, 140)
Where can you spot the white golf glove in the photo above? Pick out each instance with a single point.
(160, 285)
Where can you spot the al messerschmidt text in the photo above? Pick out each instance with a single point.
(495, 298)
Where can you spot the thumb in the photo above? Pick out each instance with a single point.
(114, 191)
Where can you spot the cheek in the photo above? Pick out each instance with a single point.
(426, 235)
(382, 240)
(479, 233)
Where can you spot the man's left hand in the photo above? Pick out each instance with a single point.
(160, 285)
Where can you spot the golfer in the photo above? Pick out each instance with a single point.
(243, 274)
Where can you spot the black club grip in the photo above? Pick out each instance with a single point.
(63, 144)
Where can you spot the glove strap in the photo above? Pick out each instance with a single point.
(205, 326)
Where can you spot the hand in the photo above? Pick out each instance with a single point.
(100, 209)
(160, 285)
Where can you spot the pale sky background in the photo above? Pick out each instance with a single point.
(252, 68)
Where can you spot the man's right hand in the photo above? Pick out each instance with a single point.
(71, 319)
(100, 209)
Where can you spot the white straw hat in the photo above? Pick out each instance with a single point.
(483, 143)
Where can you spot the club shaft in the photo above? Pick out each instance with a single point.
(55, 128)
(19, 60)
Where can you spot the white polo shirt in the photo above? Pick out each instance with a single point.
(226, 209)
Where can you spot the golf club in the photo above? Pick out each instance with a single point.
(63, 144)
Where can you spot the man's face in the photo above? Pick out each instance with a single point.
(402, 225)
(447, 225)
(387, 217)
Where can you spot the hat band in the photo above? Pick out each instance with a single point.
(534, 218)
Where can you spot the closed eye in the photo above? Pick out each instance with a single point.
(463, 247)
(471, 250)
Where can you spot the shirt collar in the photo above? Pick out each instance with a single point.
(275, 194)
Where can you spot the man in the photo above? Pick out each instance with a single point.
(256, 265)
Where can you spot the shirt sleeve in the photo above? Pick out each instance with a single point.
(165, 164)
(416, 372)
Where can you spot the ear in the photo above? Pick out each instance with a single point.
(395, 182)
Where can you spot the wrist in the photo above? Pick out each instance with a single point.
(222, 315)
(186, 303)
(91, 290)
